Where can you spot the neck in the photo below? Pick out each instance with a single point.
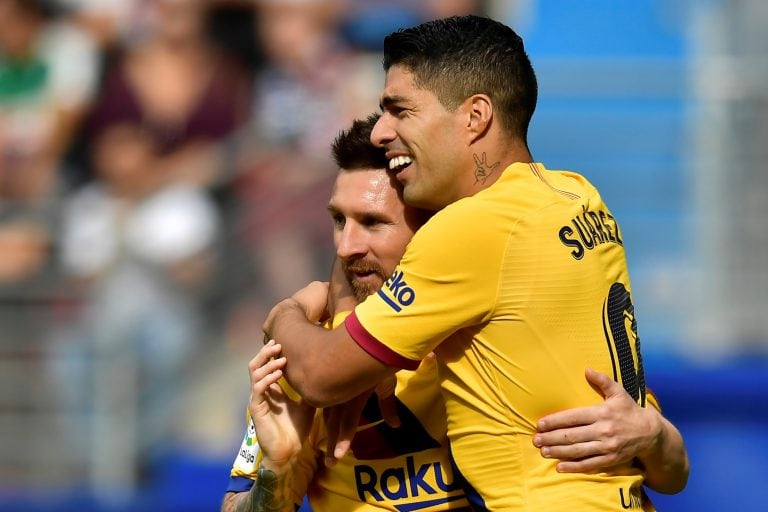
(490, 160)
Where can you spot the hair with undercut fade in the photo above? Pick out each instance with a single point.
(460, 56)
(352, 149)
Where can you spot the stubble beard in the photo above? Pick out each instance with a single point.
(361, 290)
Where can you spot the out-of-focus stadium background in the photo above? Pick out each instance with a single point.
(163, 173)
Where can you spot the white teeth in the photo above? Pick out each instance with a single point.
(399, 161)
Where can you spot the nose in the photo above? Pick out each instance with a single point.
(350, 241)
(382, 132)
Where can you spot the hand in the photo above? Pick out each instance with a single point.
(282, 425)
(341, 421)
(385, 390)
(600, 436)
(341, 424)
(313, 299)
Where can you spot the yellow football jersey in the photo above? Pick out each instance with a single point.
(517, 289)
(397, 469)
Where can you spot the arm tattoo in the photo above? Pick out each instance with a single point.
(269, 493)
(483, 170)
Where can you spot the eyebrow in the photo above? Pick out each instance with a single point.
(388, 101)
(378, 216)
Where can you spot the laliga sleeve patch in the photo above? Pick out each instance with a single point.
(249, 455)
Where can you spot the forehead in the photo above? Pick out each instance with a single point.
(365, 189)
(399, 85)
(402, 92)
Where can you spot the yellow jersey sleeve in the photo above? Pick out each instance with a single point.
(434, 292)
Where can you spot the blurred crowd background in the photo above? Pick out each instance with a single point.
(164, 169)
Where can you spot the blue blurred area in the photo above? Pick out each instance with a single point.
(182, 482)
(595, 28)
(719, 410)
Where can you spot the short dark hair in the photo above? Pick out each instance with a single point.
(352, 148)
(460, 56)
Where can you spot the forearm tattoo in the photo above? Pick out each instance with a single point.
(269, 493)
(482, 169)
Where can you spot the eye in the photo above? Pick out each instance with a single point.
(399, 111)
(394, 110)
(338, 220)
(372, 222)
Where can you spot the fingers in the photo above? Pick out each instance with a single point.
(342, 447)
(264, 356)
(265, 368)
(387, 403)
(565, 437)
(597, 463)
(264, 353)
(567, 419)
(348, 426)
(331, 419)
(578, 450)
(388, 408)
(573, 452)
(602, 383)
(341, 423)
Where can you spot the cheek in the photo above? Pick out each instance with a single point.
(436, 150)
(396, 249)
(336, 238)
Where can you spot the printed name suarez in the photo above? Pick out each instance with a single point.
(593, 228)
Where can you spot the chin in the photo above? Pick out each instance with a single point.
(418, 201)
(361, 291)
(414, 198)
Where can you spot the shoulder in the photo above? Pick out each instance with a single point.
(464, 217)
(569, 184)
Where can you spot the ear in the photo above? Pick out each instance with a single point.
(480, 110)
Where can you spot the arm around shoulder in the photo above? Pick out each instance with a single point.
(314, 355)
(617, 431)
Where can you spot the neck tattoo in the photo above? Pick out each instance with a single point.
(483, 170)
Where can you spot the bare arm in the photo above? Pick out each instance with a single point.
(281, 426)
(270, 493)
(666, 464)
(315, 354)
(616, 431)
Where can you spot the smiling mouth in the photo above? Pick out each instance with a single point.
(399, 163)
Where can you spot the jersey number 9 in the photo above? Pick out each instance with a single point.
(620, 327)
